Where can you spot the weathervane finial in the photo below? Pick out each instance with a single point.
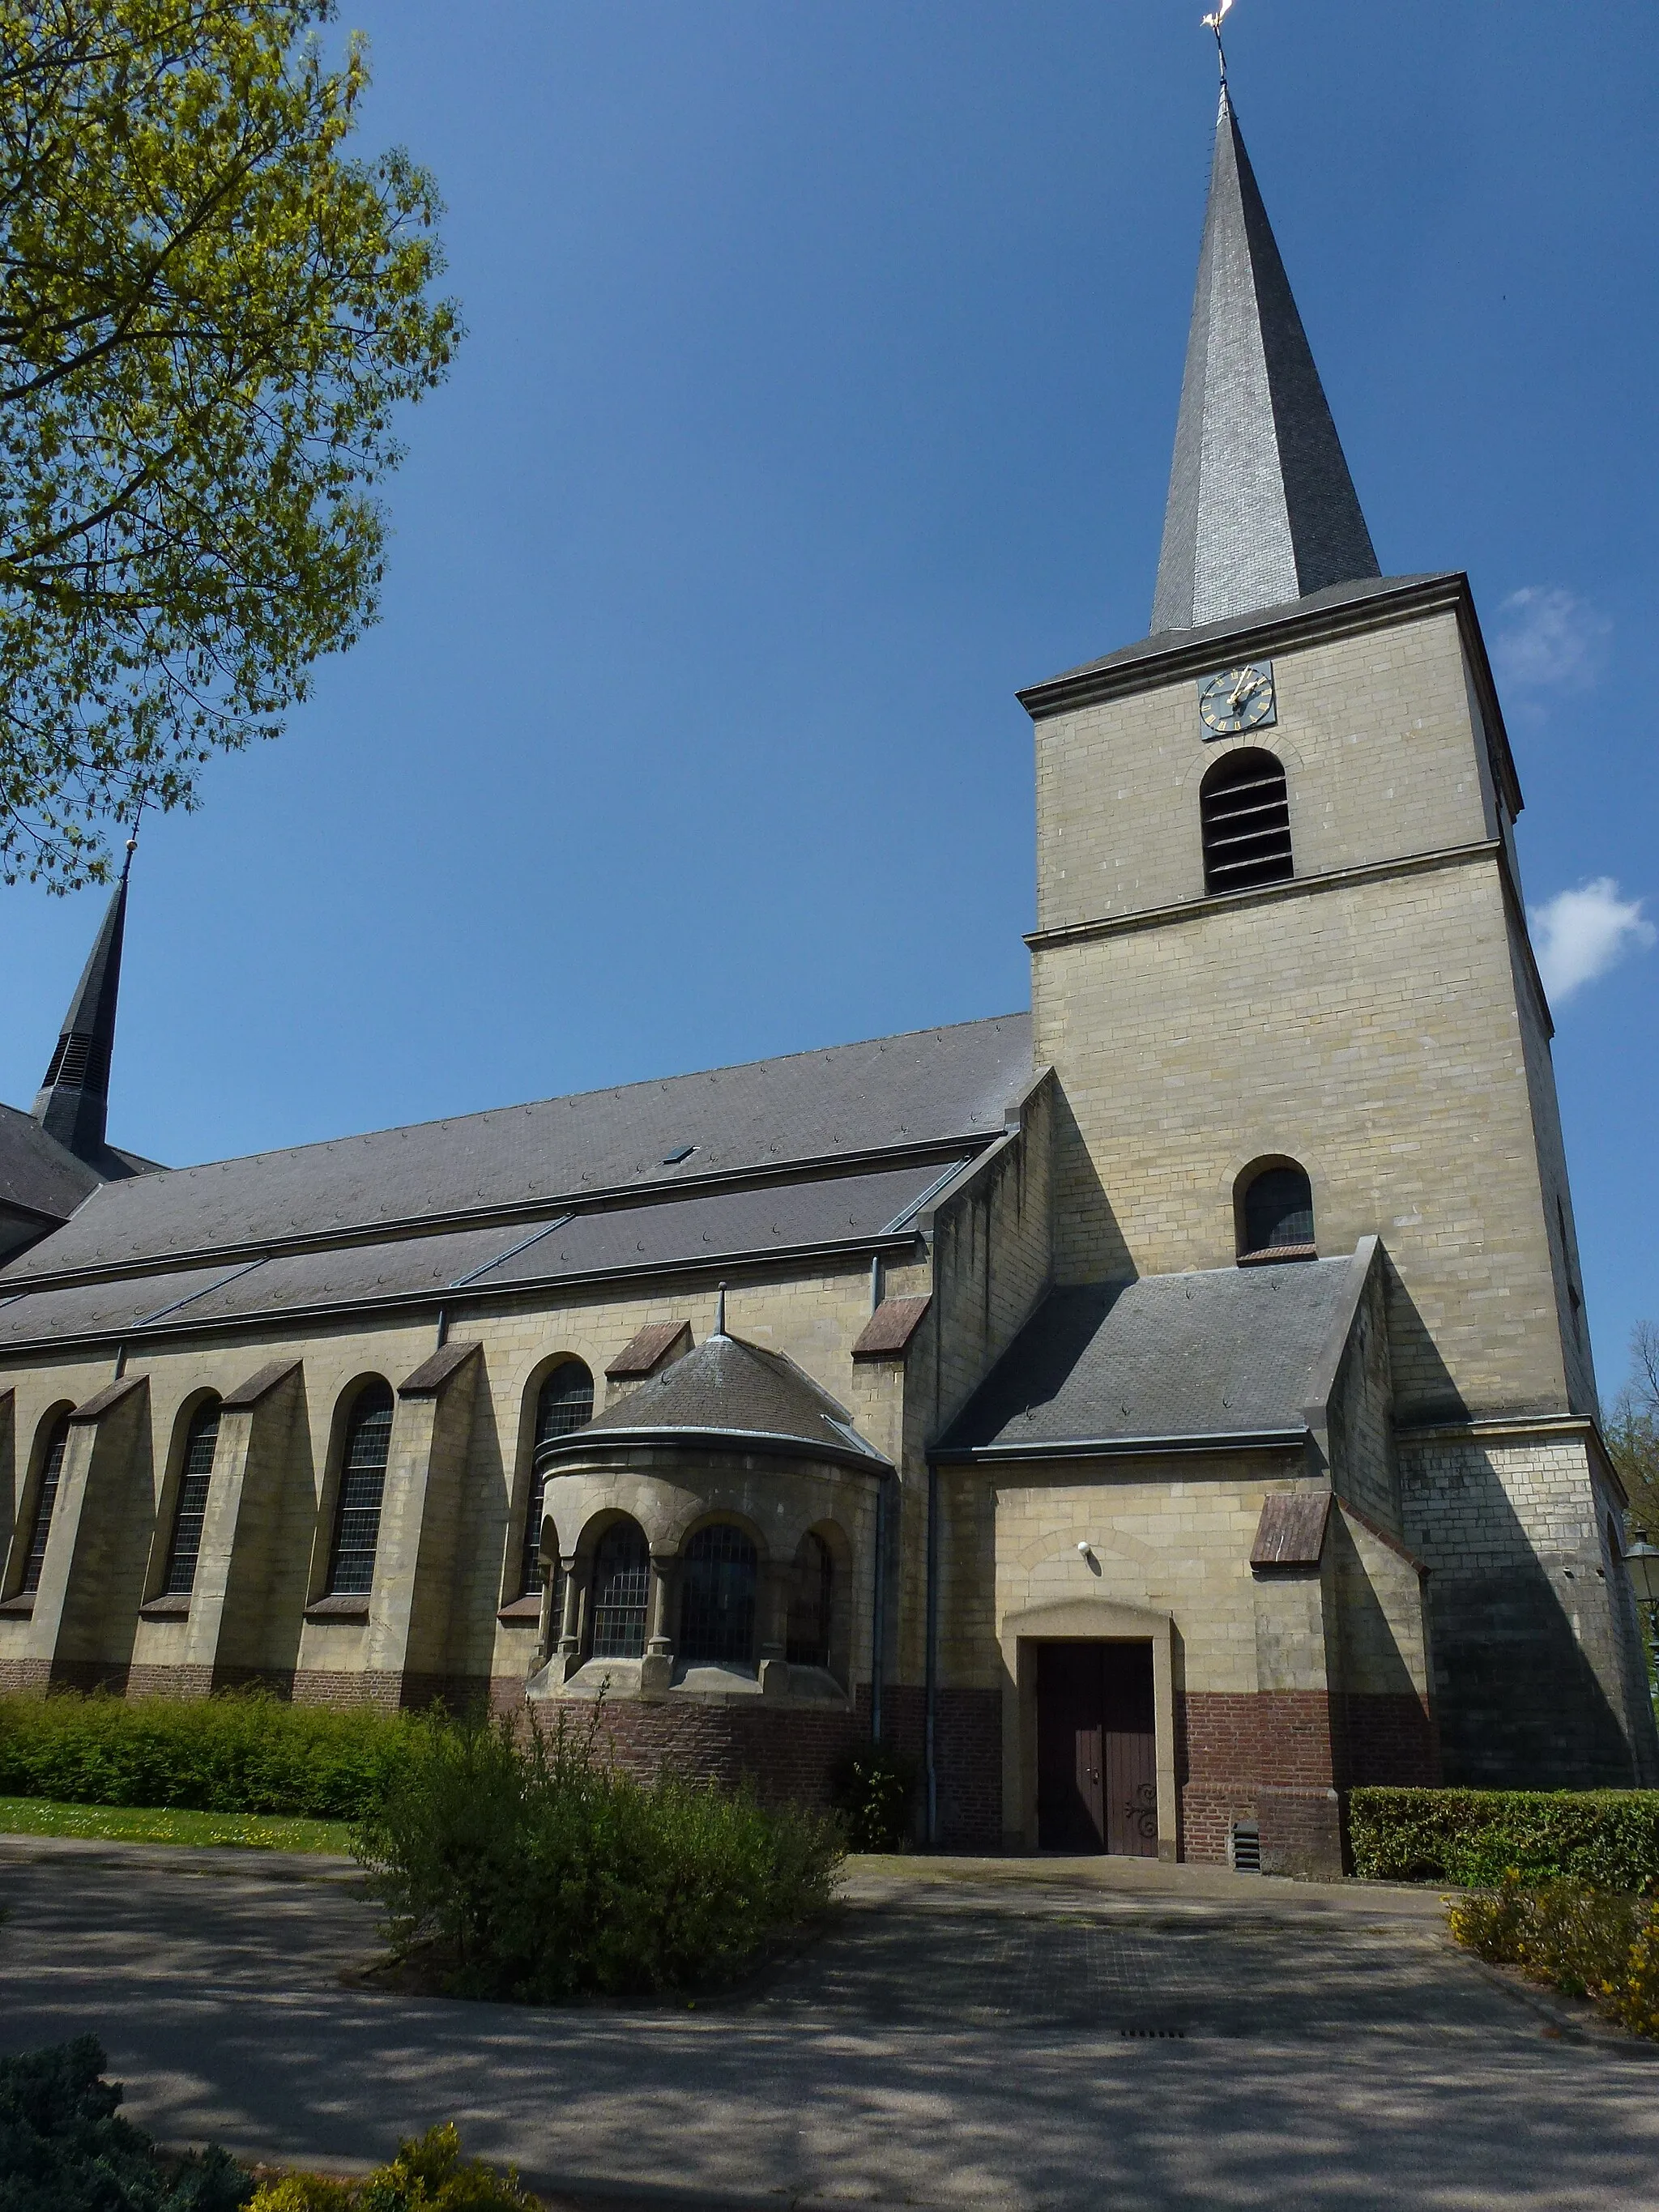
(1213, 23)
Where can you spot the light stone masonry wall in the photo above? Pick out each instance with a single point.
(1533, 1677)
(1381, 755)
(478, 1448)
(1369, 1030)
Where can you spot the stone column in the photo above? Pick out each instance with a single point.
(657, 1668)
(776, 1582)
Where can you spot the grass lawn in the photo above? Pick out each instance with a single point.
(131, 1824)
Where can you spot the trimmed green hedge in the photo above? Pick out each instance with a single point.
(1608, 1838)
(241, 1753)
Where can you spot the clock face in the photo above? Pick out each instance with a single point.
(1237, 699)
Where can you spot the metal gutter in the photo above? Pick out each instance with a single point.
(1118, 1447)
(434, 1297)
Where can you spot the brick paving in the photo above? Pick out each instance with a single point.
(1049, 2039)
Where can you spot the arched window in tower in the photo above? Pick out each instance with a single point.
(195, 1475)
(362, 1485)
(52, 1469)
(565, 1405)
(1244, 809)
(622, 1589)
(1275, 1214)
(811, 1595)
(717, 1598)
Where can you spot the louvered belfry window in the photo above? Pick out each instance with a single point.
(52, 1469)
(621, 1586)
(565, 1404)
(717, 1597)
(362, 1485)
(1245, 813)
(807, 1639)
(194, 1477)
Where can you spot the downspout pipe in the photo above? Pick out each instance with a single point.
(878, 1610)
(930, 1734)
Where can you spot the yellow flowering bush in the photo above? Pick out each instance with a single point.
(1585, 1941)
(427, 2175)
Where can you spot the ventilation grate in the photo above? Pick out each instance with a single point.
(1154, 2035)
(1244, 1847)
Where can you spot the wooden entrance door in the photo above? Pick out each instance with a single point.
(1096, 1749)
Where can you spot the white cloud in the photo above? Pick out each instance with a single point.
(1548, 640)
(1579, 935)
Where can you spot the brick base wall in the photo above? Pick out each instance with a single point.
(1283, 1759)
(967, 1759)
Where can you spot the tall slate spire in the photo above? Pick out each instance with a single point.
(1262, 508)
(73, 1101)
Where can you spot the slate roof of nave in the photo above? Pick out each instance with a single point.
(43, 1176)
(811, 1150)
(1228, 1351)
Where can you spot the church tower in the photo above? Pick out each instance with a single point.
(1282, 970)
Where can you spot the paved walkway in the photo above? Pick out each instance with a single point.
(1042, 2035)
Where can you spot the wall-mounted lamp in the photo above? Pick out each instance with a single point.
(1086, 1550)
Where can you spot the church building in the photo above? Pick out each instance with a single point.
(1156, 1413)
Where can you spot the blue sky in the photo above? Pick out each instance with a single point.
(820, 387)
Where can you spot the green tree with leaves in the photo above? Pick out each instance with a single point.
(209, 312)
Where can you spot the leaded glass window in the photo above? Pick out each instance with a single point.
(362, 1485)
(717, 1597)
(565, 1404)
(622, 1590)
(807, 1641)
(194, 1477)
(51, 1471)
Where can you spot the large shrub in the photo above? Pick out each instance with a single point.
(1608, 1837)
(64, 2149)
(528, 1869)
(230, 1753)
(1587, 1941)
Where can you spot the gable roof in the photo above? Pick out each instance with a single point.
(1233, 1354)
(928, 1093)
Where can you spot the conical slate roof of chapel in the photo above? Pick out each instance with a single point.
(729, 1392)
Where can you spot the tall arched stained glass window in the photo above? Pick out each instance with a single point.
(717, 1598)
(565, 1405)
(195, 1475)
(362, 1485)
(622, 1589)
(807, 1641)
(52, 1469)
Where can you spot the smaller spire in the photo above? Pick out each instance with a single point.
(73, 1101)
(720, 1312)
